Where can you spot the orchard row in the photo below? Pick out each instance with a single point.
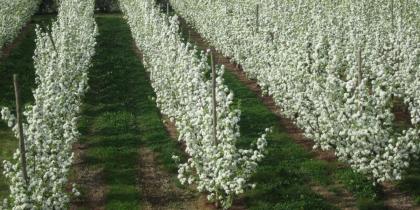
(339, 69)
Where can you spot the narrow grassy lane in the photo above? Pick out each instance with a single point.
(124, 145)
(106, 158)
(411, 182)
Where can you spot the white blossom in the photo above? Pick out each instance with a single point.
(184, 94)
(62, 58)
(305, 54)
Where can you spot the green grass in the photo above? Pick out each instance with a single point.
(284, 176)
(18, 62)
(356, 183)
(120, 115)
(411, 181)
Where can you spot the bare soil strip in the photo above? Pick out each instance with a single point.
(395, 199)
(158, 189)
(90, 182)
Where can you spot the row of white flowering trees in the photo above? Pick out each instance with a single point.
(13, 16)
(335, 67)
(184, 94)
(62, 58)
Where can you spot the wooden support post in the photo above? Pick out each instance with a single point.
(213, 72)
(257, 24)
(20, 130)
(359, 65)
(167, 9)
